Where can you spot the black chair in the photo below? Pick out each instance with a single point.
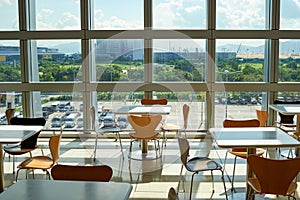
(28, 145)
(286, 122)
(197, 165)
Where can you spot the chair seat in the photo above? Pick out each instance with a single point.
(254, 183)
(107, 130)
(170, 127)
(242, 152)
(139, 137)
(37, 162)
(202, 164)
(17, 150)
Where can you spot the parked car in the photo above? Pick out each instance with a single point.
(109, 120)
(79, 122)
(253, 100)
(122, 122)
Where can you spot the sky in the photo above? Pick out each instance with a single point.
(171, 14)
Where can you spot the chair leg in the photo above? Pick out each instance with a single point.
(118, 136)
(17, 175)
(191, 188)
(181, 178)
(223, 180)
(212, 181)
(232, 187)
(95, 148)
(13, 158)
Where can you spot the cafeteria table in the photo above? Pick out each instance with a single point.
(64, 190)
(252, 138)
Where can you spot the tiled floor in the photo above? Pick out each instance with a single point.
(150, 179)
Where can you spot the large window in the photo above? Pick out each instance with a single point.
(55, 15)
(117, 14)
(241, 14)
(240, 60)
(168, 14)
(217, 56)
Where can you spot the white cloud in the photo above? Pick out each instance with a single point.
(192, 9)
(297, 2)
(5, 3)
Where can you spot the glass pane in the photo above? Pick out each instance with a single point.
(117, 14)
(9, 12)
(289, 61)
(56, 107)
(10, 100)
(289, 15)
(119, 60)
(241, 14)
(179, 60)
(49, 16)
(10, 70)
(57, 60)
(168, 14)
(240, 60)
(237, 105)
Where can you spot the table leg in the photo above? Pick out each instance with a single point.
(250, 151)
(1, 170)
(144, 146)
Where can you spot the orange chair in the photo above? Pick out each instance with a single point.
(102, 173)
(43, 162)
(154, 101)
(273, 176)
(240, 152)
(144, 129)
(262, 116)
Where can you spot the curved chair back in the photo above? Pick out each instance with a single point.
(241, 123)
(184, 147)
(274, 176)
(185, 111)
(9, 114)
(54, 144)
(31, 141)
(154, 101)
(262, 116)
(102, 173)
(144, 125)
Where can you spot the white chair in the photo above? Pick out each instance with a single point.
(103, 130)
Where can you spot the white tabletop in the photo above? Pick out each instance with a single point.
(64, 190)
(292, 109)
(252, 137)
(17, 133)
(144, 109)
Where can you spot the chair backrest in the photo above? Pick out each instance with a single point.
(154, 101)
(286, 119)
(9, 114)
(54, 146)
(93, 116)
(241, 123)
(184, 147)
(262, 116)
(185, 112)
(31, 141)
(102, 173)
(274, 176)
(144, 125)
